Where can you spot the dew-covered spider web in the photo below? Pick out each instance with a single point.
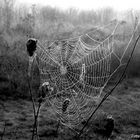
(78, 69)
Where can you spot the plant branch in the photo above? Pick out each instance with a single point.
(36, 119)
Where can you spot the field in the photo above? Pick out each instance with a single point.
(48, 24)
(123, 105)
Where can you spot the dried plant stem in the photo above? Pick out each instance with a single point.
(36, 113)
(36, 120)
(33, 103)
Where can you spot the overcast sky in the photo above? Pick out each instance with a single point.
(88, 4)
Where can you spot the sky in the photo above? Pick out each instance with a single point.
(119, 5)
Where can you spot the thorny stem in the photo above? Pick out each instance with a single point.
(106, 96)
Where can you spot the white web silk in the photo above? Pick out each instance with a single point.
(78, 71)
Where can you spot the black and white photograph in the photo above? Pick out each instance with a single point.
(69, 70)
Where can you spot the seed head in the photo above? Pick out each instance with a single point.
(31, 46)
(44, 89)
(65, 105)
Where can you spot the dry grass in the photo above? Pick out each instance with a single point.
(123, 105)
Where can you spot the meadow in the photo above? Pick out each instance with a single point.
(47, 24)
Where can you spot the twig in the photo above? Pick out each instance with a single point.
(36, 119)
(33, 103)
(35, 126)
(3, 131)
(106, 96)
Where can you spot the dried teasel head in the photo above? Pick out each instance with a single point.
(44, 89)
(108, 126)
(65, 105)
(31, 46)
(109, 117)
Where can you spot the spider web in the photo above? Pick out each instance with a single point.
(78, 69)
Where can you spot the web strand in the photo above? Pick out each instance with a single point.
(80, 72)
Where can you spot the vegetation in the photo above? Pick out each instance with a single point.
(18, 23)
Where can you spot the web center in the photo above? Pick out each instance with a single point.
(63, 70)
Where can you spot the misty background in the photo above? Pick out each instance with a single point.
(46, 23)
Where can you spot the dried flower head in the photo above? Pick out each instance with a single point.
(44, 89)
(65, 105)
(31, 46)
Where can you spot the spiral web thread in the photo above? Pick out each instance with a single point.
(79, 72)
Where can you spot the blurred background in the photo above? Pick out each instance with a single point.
(21, 20)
